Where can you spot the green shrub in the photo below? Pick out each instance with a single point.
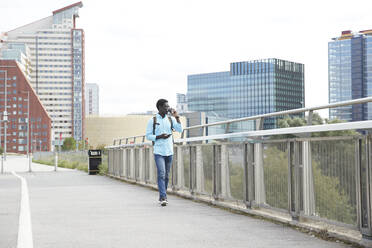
(103, 169)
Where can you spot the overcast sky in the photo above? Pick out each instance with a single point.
(142, 50)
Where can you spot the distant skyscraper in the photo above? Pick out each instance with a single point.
(181, 103)
(350, 74)
(249, 88)
(57, 64)
(91, 99)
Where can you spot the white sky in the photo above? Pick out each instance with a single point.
(142, 50)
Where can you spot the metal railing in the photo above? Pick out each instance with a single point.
(328, 179)
(257, 118)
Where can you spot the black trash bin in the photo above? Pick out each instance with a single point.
(95, 159)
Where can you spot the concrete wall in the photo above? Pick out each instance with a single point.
(103, 130)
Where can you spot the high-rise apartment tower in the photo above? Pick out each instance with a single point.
(350, 74)
(57, 64)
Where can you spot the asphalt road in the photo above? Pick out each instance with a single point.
(72, 209)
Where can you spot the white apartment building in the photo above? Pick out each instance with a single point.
(57, 67)
(91, 99)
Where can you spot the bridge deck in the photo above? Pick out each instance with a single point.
(72, 209)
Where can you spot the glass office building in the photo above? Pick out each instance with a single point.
(249, 88)
(350, 74)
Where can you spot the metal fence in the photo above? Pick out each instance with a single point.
(322, 178)
(262, 176)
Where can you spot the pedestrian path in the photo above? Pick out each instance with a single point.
(21, 164)
(70, 208)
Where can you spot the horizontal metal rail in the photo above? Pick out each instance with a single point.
(256, 117)
(286, 112)
(358, 125)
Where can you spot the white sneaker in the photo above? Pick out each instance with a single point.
(163, 202)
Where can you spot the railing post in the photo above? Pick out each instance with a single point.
(152, 173)
(259, 183)
(199, 170)
(364, 188)
(216, 170)
(310, 118)
(248, 174)
(116, 162)
(192, 169)
(121, 162)
(132, 164)
(174, 169)
(180, 169)
(109, 159)
(227, 128)
(141, 164)
(204, 133)
(259, 123)
(294, 180)
(225, 175)
(125, 165)
(308, 180)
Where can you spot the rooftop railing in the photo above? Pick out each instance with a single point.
(326, 179)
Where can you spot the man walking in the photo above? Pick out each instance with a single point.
(159, 131)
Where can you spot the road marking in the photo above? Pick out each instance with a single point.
(24, 229)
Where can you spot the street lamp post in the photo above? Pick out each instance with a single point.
(5, 116)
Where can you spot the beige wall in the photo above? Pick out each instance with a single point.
(103, 130)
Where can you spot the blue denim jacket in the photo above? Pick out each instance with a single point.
(162, 147)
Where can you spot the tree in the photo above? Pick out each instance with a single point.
(332, 201)
(69, 144)
(288, 121)
(333, 167)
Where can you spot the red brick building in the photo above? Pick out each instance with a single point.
(39, 129)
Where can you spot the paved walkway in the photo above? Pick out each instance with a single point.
(72, 209)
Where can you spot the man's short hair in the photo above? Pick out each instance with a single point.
(160, 103)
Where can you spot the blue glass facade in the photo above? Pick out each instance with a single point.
(249, 88)
(350, 74)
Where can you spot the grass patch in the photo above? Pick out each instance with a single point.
(64, 164)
